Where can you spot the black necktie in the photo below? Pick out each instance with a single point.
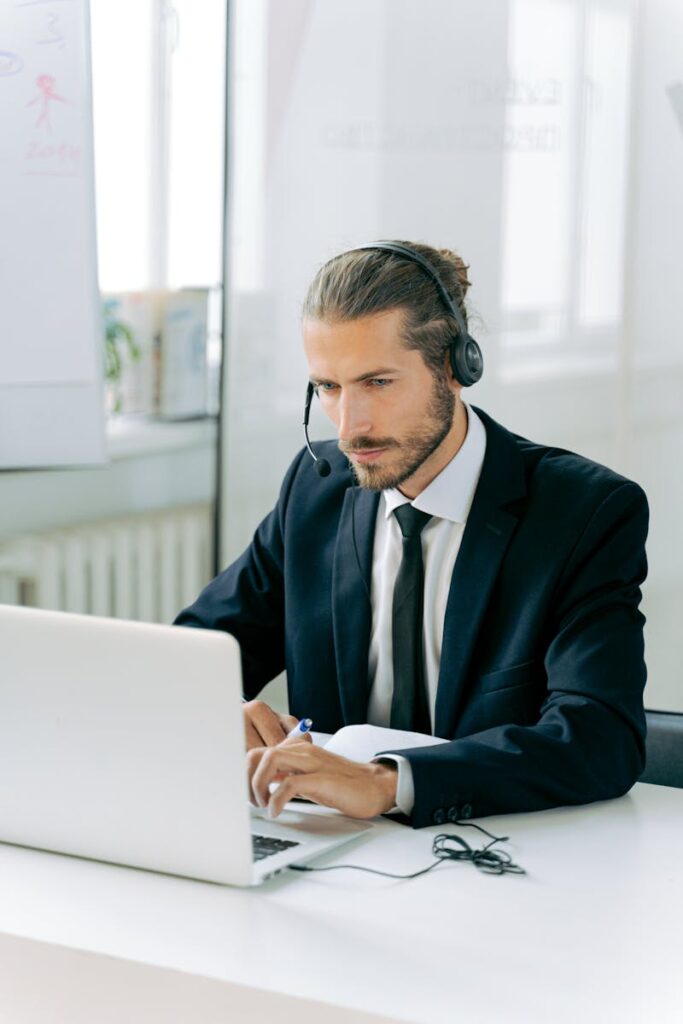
(409, 706)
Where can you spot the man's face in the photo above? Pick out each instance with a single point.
(394, 416)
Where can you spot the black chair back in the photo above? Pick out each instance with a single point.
(664, 748)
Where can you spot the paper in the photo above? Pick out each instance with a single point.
(363, 742)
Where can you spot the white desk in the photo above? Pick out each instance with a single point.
(593, 932)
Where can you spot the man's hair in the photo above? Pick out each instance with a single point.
(370, 281)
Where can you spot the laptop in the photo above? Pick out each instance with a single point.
(124, 742)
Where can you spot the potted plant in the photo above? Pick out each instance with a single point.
(119, 344)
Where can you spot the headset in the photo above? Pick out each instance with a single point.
(465, 355)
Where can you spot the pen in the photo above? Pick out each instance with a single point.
(301, 729)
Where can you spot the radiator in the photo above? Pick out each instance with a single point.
(144, 567)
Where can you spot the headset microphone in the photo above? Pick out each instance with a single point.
(322, 466)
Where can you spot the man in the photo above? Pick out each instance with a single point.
(500, 612)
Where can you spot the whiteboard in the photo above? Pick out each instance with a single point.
(51, 327)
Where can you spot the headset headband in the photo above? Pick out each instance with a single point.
(416, 257)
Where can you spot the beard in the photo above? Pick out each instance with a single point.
(413, 450)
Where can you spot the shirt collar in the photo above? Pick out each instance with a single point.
(450, 494)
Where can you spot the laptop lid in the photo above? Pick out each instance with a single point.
(124, 742)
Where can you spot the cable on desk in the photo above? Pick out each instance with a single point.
(491, 862)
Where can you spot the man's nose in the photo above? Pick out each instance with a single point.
(354, 418)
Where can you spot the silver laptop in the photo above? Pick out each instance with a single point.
(123, 742)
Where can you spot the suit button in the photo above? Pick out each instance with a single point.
(438, 817)
(466, 811)
(453, 813)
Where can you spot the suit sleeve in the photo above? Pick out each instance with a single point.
(247, 598)
(588, 743)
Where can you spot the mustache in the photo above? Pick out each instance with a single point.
(366, 444)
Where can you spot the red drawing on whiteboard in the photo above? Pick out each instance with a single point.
(46, 95)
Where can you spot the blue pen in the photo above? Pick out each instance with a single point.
(301, 729)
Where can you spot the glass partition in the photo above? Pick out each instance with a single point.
(543, 140)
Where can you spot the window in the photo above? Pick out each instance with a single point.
(159, 99)
(565, 185)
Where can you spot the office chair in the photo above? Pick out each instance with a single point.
(664, 748)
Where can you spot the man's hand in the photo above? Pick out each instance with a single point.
(263, 727)
(303, 769)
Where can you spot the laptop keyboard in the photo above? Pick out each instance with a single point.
(266, 846)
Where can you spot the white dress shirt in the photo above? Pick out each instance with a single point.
(447, 499)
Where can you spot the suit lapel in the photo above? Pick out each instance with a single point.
(487, 534)
(351, 611)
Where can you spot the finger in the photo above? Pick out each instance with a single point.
(268, 768)
(251, 737)
(254, 757)
(265, 721)
(307, 786)
(288, 722)
(287, 757)
(301, 737)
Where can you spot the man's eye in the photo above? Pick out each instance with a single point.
(325, 386)
(379, 382)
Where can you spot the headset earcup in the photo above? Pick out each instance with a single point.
(467, 361)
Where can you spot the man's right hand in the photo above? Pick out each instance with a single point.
(264, 727)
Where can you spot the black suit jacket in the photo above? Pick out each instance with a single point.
(542, 669)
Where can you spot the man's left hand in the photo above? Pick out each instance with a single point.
(305, 770)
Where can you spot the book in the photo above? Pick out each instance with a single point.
(363, 742)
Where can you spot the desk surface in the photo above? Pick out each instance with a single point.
(593, 932)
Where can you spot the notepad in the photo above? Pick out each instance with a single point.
(363, 742)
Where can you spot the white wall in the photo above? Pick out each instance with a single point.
(537, 138)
